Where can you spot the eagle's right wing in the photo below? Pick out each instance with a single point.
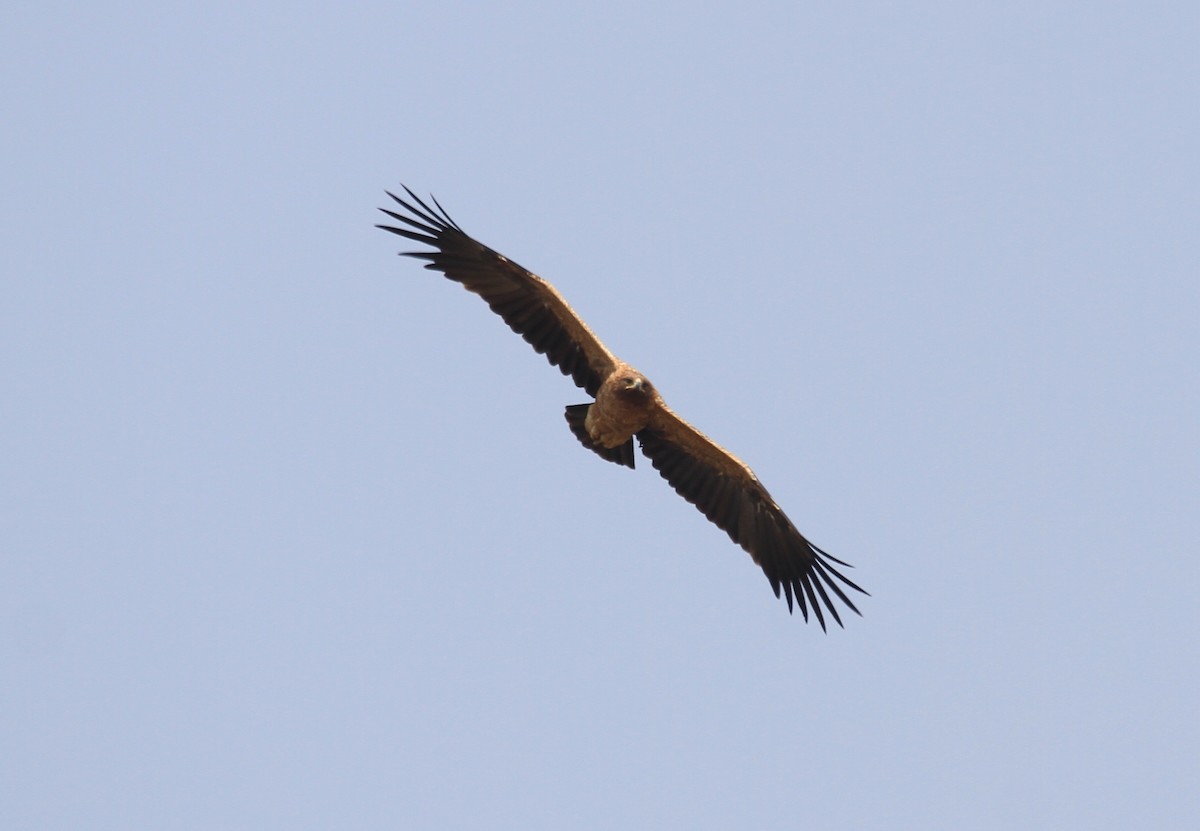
(529, 305)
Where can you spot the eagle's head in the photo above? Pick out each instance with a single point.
(635, 386)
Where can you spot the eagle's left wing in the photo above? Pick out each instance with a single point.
(730, 495)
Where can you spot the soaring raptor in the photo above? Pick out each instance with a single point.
(626, 406)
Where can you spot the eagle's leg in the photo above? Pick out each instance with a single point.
(622, 454)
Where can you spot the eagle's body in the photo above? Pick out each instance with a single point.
(627, 406)
(624, 405)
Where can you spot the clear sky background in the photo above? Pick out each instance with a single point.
(294, 534)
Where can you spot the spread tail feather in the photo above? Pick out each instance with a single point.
(621, 454)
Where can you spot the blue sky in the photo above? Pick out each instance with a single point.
(294, 534)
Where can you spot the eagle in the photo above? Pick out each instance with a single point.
(626, 406)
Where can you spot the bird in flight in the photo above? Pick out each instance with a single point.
(627, 406)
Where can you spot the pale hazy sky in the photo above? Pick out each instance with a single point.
(294, 534)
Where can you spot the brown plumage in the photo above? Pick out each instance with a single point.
(627, 405)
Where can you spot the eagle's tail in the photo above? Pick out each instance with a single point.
(621, 454)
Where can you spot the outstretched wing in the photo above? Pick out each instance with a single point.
(730, 495)
(529, 305)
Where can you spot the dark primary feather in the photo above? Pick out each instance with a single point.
(527, 303)
(752, 519)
